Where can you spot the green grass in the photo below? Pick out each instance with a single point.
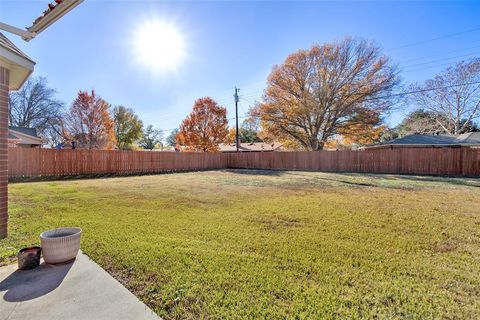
(273, 245)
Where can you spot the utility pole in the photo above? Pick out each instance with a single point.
(237, 90)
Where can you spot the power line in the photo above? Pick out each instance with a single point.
(407, 93)
(444, 59)
(248, 101)
(369, 99)
(167, 130)
(435, 39)
(426, 68)
(423, 90)
(406, 67)
(439, 54)
(254, 94)
(259, 94)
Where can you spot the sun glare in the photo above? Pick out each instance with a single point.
(159, 46)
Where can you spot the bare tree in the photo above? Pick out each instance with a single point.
(172, 138)
(55, 133)
(151, 138)
(35, 106)
(453, 96)
(314, 92)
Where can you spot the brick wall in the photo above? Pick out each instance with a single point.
(4, 82)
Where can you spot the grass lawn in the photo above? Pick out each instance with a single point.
(255, 244)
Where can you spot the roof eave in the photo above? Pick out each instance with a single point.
(21, 135)
(20, 67)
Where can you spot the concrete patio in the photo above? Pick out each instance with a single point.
(76, 290)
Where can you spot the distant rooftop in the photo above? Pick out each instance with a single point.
(24, 136)
(251, 147)
(28, 131)
(440, 140)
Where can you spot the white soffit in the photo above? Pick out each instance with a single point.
(19, 64)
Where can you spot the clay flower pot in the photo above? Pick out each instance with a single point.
(60, 245)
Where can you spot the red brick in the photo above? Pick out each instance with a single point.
(4, 82)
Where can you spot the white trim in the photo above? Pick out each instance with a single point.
(26, 35)
(15, 58)
(20, 67)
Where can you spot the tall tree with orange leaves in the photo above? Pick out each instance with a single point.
(319, 90)
(364, 128)
(89, 122)
(205, 127)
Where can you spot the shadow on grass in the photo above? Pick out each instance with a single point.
(98, 176)
(258, 172)
(398, 178)
(459, 181)
(364, 179)
(454, 181)
(283, 173)
(351, 183)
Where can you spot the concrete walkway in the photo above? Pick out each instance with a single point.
(74, 291)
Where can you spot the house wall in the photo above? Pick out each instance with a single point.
(4, 84)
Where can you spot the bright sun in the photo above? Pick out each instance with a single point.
(159, 45)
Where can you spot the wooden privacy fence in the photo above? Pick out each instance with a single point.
(422, 161)
(24, 162)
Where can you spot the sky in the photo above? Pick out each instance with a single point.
(228, 44)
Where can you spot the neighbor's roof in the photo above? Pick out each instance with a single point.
(19, 64)
(29, 131)
(466, 139)
(472, 138)
(23, 135)
(250, 147)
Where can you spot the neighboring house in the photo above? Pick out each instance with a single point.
(251, 147)
(23, 137)
(471, 139)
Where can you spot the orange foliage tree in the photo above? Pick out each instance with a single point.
(232, 133)
(89, 122)
(317, 91)
(363, 129)
(205, 127)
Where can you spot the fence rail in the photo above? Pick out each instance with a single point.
(31, 163)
